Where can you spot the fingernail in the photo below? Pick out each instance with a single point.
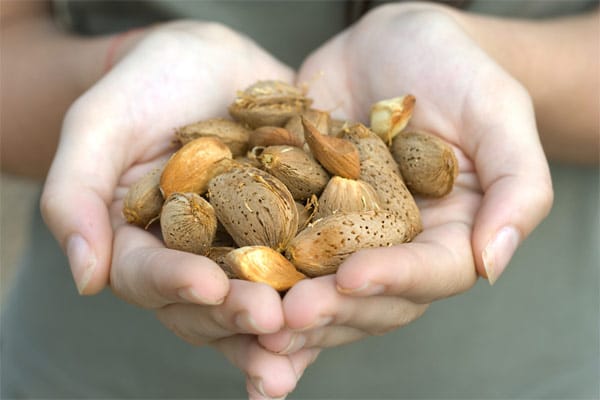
(247, 324)
(297, 342)
(82, 261)
(258, 385)
(192, 296)
(499, 251)
(367, 289)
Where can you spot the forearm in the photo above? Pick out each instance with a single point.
(43, 71)
(558, 62)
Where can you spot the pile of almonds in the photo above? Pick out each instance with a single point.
(284, 192)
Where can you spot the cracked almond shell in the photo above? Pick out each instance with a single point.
(143, 202)
(347, 195)
(232, 134)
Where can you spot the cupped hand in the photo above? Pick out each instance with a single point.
(121, 128)
(502, 193)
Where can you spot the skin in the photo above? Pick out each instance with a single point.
(481, 101)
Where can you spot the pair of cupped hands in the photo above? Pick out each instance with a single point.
(187, 71)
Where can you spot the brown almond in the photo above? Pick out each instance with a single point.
(338, 156)
(325, 244)
(218, 254)
(347, 195)
(298, 170)
(273, 136)
(192, 166)
(188, 223)
(389, 117)
(232, 134)
(265, 265)
(254, 207)
(426, 162)
(143, 201)
(370, 146)
(268, 103)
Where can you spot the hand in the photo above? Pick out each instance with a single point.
(121, 128)
(502, 193)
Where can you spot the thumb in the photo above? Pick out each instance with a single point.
(517, 187)
(74, 204)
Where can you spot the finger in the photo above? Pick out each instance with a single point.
(249, 308)
(375, 315)
(289, 342)
(75, 197)
(269, 375)
(515, 178)
(149, 275)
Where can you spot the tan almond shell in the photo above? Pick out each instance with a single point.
(325, 244)
(320, 119)
(268, 103)
(218, 254)
(298, 170)
(273, 136)
(192, 166)
(427, 163)
(295, 128)
(370, 146)
(265, 265)
(254, 207)
(188, 223)
(143, 201)
(347, 195)
(338, 156)
(232, 134)
(307, 212)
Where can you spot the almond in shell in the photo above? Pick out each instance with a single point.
(325, 244)
(298, 170)
(427, 163)
(143, 201)
(188, 223)
(389, 117)
(232, 134)
(347, 195)
(254, 207)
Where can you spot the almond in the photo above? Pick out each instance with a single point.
(188, 223)
(217, 255)
(347, 195)
(268, 103)
(254, 207)
(338, 156)
(427, 163)
(306, 212)
(301, 173)
(273, 136)
(265, 265)
(389, 117)
(325, 244)
(232, 134)
(143, 201)
(192, 166)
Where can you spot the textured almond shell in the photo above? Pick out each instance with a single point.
(427, 163)
(324, 245)
(192, 166)
(273, 136)
(306, 212)
(379, 169)
(270, 103)
(301, 173)
(265, 265)
(232, 134)
(143, 201)
(188, 223)
(254, 207)
(347, 195)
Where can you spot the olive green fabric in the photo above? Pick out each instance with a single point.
(535, 334)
